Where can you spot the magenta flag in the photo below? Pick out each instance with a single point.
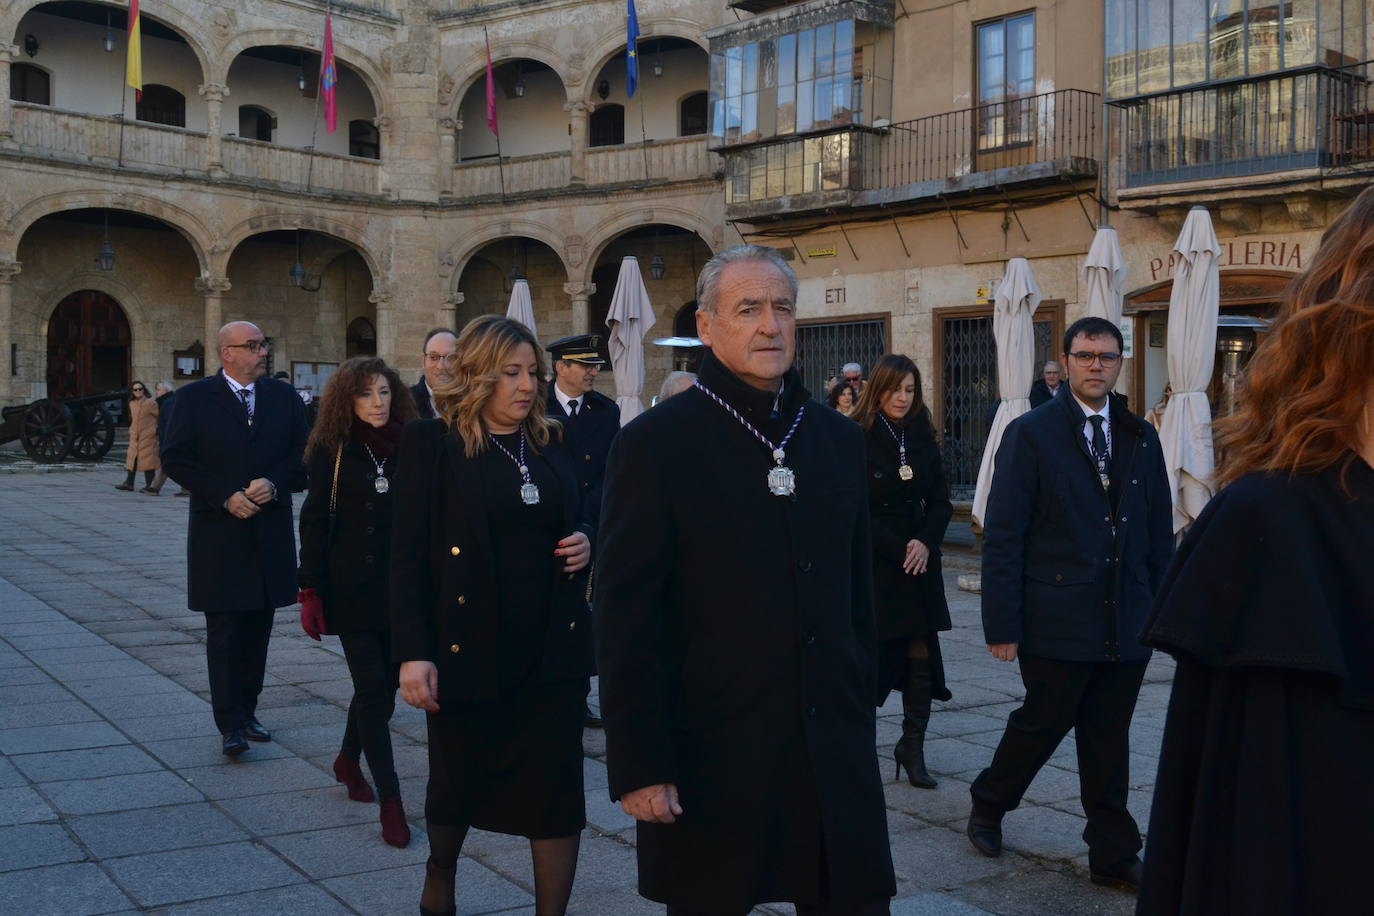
(491, 94)
(329, 77)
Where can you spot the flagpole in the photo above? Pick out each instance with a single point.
(491, 80)
(315, 118)
(124, 93)
(643, 136)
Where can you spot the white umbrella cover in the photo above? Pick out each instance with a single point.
(1185, 432)
(630, 318)
(1014, 331)
(1104, 273)
(521, 308)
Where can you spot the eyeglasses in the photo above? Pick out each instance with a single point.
(435, 357)
(1084, 359)
(140, 389)
(253, 346)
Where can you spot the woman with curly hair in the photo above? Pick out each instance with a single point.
(841, 398)
(344, 562)
(489, 612)
(910, 509)
(1263, 801)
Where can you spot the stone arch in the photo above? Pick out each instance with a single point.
(478, 239)
(166, 14)
(134, 308)
(614, 42)
(352, 57)
(475, 65)
(191, 228)
(610, 229)
(267, 222)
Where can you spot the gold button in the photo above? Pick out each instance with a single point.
(462, 599)
(572, 625)
(588, 457)
(454, 648)
(454, 550)
(1058, 577)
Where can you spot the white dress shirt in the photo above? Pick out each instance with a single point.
(566, 401)
(1088, 427)
(251, 388)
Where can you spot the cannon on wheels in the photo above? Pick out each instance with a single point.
(51, 431)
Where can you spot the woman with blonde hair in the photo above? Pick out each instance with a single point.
(489, 612)
(345, 551)
(1263, 801)
(909, 506)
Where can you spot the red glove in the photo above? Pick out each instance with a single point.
(312, 613)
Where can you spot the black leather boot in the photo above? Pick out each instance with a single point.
(910, 751)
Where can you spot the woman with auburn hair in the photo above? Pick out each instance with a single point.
(910, 510)
(1263, 800)
(841, 398)
(489, 612)
(345, 557)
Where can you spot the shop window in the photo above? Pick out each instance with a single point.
(1006, 82)
(161, 105)
(363, 140)
(691, 115)
(256, 123)
(30, 84)
(607, 125)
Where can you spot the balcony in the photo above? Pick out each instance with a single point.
(680, 159)
(86, 139)
(1308, 119)
(1039, 139)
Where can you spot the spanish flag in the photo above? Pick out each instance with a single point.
(134, 62)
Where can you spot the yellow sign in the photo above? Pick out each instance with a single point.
(826, 252)
(982, 294)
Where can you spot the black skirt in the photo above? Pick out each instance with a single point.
(892, 667)
(512, 765)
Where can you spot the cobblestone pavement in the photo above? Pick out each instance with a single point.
(114, 796)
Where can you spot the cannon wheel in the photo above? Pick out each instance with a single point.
(48, 431)
(95, 433)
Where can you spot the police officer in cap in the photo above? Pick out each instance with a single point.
(590, 418)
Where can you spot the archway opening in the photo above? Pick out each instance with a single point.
(489, 276)
(90, 346)
(286, 80)
(671, 70)
(529, 112)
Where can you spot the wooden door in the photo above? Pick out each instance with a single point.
(88, 346)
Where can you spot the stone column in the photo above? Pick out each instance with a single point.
(386, 326)
(577, 121)
(581, 293)
(8, 54)
(448, 313)
(213, 289)
(8, 271)
(214, 94)
(448, 155)
(386, 151)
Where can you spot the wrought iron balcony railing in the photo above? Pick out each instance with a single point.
(1311, 118)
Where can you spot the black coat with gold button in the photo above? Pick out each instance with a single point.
(589, 437)
(443, 585)
(348, 572)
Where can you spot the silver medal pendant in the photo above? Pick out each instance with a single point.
(781, 481)
(529, 494)
(381, 484)
(1106, 481)
(905, 472)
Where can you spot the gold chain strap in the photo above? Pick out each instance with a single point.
(334, 490)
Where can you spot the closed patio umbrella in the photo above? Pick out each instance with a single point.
(1104, 274)
(630, 318)
(1185, 431)
(1014, 332)
(521, 308)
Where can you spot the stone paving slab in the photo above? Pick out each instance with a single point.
(115, 798)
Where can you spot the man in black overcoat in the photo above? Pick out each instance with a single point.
(1049, 386)
(735, 629)
(1077, 537)
(438, 346)
(236, 440)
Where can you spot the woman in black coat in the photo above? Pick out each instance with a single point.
(910, 509)
(345, 556)
(1263, 802)
(489, 612)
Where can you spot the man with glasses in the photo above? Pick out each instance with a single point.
(438, 346)
(236, 440)
(1049, 386)
(1077, 537)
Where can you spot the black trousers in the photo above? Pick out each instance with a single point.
(1096, 699)
(880, 907)
(375, 681)
(236, 649)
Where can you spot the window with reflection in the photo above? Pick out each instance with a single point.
(801, 166)
(831, 76)
(1006, 82)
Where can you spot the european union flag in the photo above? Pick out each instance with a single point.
(631, 49)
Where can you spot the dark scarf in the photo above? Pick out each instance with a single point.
(381, 439)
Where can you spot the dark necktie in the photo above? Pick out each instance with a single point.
(247, 404)
(572, 407)
(1100, 446)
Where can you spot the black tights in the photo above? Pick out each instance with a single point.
(368, 653)
(555, 866)
(147, 478)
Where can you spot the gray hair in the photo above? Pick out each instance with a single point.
(164, 384)
(1051, 362)
(676, 383)
(852, 367)
(709, 279)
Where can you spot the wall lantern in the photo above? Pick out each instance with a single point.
(105, 257)
(299, 278)
(603, 89)
(300, 80)
(31, 45)
(519, 82)
(656, 267)
(658, 58)
(109, 33)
